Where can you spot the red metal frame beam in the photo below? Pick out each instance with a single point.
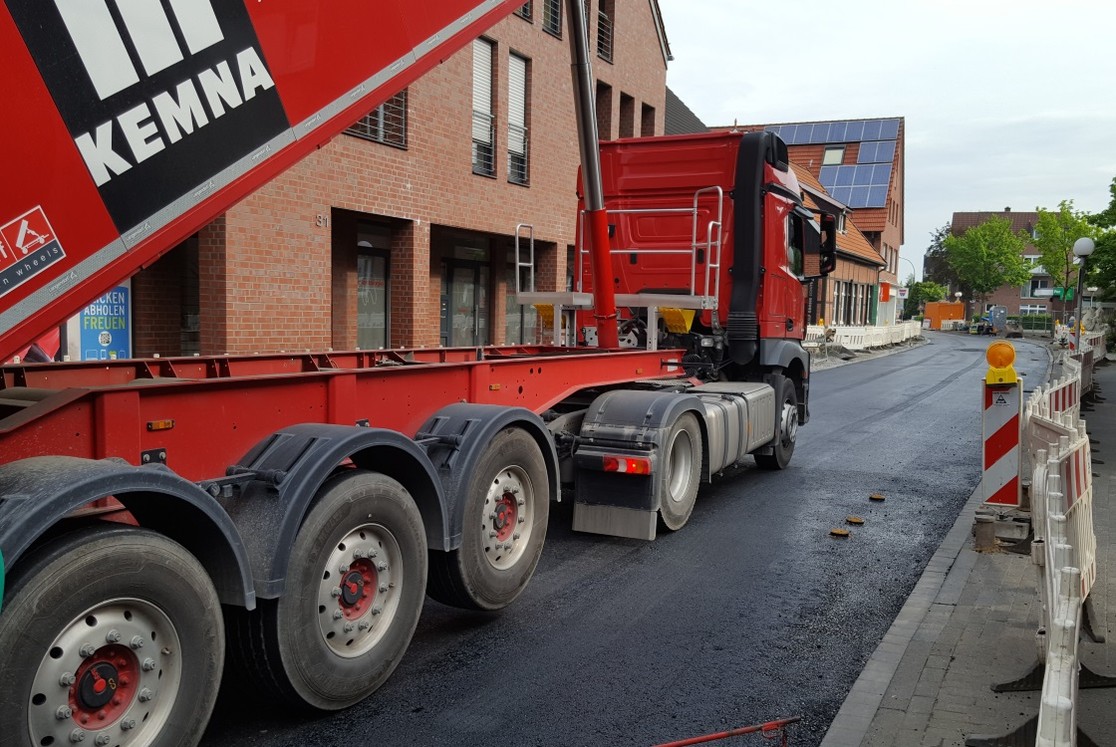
(218, 418)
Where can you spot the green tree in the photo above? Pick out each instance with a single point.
(920, 294)
(1055, 233)
(1102, 265)
(935, 263)
(988, 256)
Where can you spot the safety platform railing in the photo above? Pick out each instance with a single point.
(705, 249)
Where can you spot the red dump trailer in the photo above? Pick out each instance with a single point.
(296, 509)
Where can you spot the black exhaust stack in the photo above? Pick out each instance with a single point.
(756, 149)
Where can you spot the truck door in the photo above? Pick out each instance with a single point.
(783, 252)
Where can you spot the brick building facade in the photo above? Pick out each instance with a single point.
(1036, 297)
(409, 241)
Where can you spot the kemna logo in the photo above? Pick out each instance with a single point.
(124, 43)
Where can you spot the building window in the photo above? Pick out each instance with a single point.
(604, 111)
(386, 124)
(524, 11)
(372, 288)
(517, 119)
(605, 17)
(483, 119)
(1036, 285)
(627, 115)
(552, 17)
(647, 121)
(834, 155)
(1027, 309)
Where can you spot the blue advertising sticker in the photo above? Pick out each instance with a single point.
(106, 327)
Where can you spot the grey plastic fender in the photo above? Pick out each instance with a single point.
(626, 422)
(456, 438)
(782, 353)
(38, 493)
(297, 461)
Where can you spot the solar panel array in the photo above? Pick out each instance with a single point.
(865, 183)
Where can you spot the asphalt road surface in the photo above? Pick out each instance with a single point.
(751, 612)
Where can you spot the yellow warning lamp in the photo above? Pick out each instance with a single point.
(1000, 356)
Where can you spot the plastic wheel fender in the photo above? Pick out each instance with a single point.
(296, 462)
(456, 438)
(39, 492)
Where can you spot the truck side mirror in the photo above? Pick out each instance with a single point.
(828, 249)
(821, 248)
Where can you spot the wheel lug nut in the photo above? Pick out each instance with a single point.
(136, 642)
(66, 679)
(520, 501)
(148, 665)
(335, 592)
(102, 740)
(343, 569)
(364, 625)
(521, 519)
(77, 735)
(337, 614)
(383, 589)
(348, 627)
(145, 695)
(113, 636)
(492, 535)
(87, 650)
(128, 724)
(515, 537)
(64, 712)
(382, 567)
(357, 554)
(377, 610)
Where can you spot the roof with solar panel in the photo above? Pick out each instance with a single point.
(864, 183)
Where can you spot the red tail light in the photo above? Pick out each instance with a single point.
(627, 465)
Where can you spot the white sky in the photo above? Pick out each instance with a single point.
(1005, 103)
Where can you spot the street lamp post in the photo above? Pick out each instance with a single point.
(914, 278)
(1082, 248)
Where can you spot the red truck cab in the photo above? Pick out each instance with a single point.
(712, 249)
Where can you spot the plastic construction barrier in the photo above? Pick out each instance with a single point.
(1064, 550)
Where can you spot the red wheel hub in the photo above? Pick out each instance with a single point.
(358, 589)
(104, 686)
(507, 516)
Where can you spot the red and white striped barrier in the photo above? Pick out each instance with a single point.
(1001, 426)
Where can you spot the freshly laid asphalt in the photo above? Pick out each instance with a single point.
(971, 623)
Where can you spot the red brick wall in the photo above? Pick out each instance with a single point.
(157, 304)
(270, 267)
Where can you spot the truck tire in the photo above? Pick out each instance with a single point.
(506, 510)
(786, 426)
(113, 636)
(354, 591)
(680, 473)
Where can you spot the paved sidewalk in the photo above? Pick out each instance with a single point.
(971, 622)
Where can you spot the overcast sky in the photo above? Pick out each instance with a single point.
(1005, 103)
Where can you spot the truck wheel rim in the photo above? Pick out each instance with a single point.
(790, 423)
(110, 677)
(360, 588)
(681, 462)
(508, 518)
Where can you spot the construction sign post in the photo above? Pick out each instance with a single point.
(1002, 416)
